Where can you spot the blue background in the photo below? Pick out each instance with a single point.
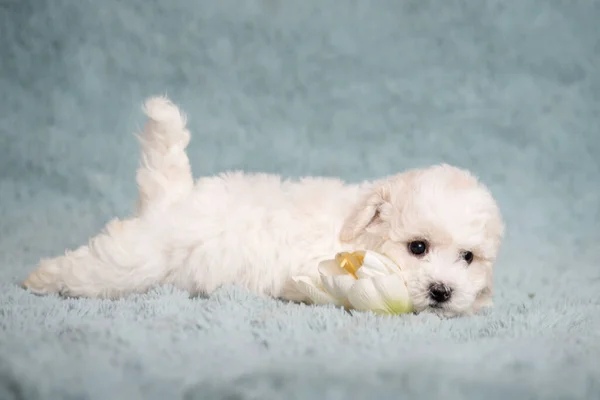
(510, 90)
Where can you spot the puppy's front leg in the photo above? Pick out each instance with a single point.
(123, 259)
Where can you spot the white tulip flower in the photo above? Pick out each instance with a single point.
(362, 280)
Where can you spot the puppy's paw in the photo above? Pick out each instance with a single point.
(46, 278)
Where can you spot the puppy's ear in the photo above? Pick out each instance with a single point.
(485, 297)
(366, 214)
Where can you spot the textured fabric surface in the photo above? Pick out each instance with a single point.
(357, 89)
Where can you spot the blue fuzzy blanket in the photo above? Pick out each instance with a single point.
(510, 90)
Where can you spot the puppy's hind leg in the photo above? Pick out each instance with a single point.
(123, 259)
(164, 175)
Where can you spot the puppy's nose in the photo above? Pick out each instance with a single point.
(439, 292)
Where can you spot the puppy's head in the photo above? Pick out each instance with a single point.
(442, 226)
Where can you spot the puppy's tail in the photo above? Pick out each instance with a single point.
(164, 175)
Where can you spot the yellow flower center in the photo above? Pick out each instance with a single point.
(350, 262)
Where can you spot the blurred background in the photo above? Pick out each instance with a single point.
(356, 89)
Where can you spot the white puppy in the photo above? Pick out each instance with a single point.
(258, 230)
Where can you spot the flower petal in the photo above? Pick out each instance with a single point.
(391, 266)
(368, 271)
(338, 287)
(363, 296)
(330, 268)
(376, 264)
(375, 260)
(312, 290)
(394, 293)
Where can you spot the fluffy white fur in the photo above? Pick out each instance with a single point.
(259, 230)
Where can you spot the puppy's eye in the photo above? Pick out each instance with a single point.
(418, 247)
(467, 256)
